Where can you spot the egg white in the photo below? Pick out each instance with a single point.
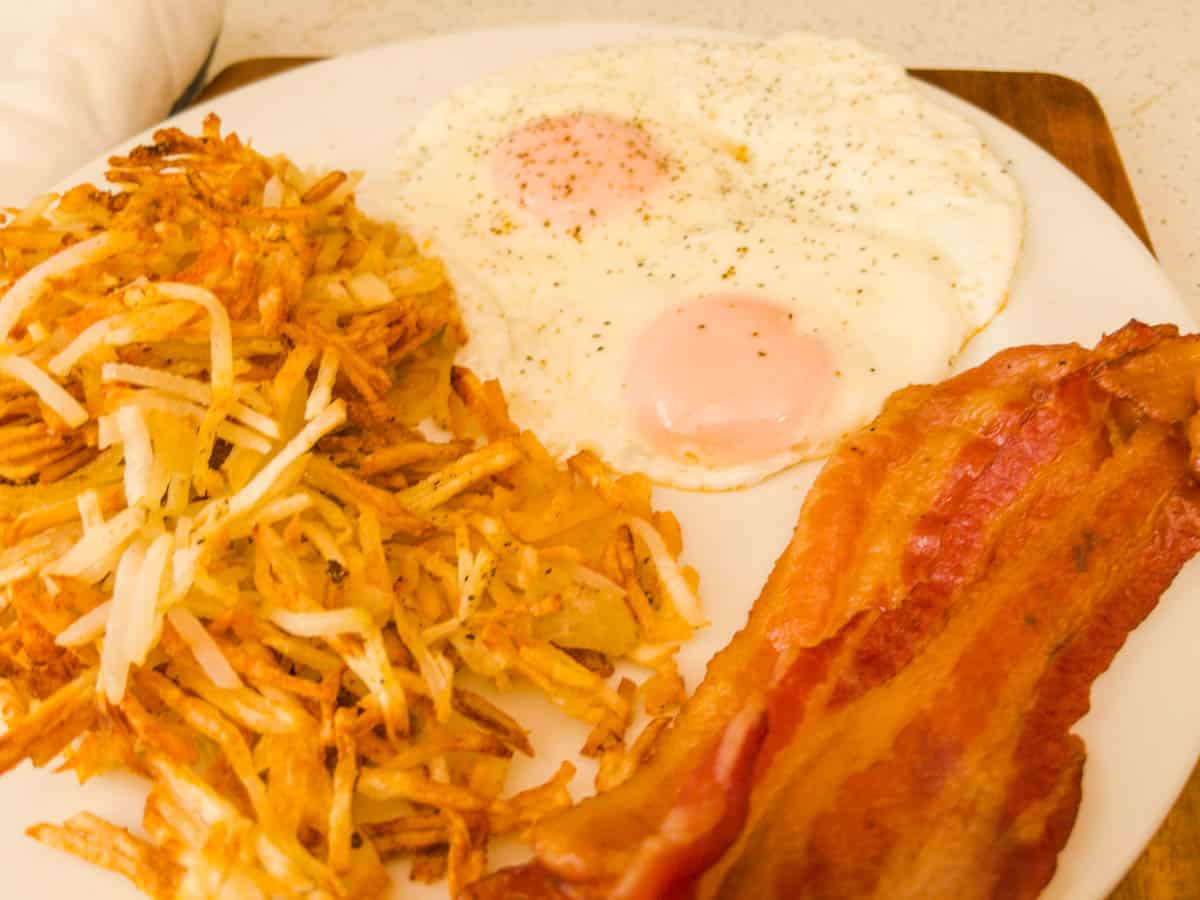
(807, 171)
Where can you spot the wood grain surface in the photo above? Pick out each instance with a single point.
(1065, 119)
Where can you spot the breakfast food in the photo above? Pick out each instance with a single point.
(296, 680)
(257, 528)
(895, 719)
(705, 260)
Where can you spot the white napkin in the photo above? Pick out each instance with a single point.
(77, 77)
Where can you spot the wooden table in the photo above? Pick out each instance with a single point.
(1064, 118)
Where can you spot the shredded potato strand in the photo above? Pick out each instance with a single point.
(114, 660)
(189, 389)
(49, 390)
(86, 628)
(29, 288)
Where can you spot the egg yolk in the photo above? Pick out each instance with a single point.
(572, 169)
(726, 379)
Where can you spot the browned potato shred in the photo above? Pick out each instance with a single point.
(257, 529)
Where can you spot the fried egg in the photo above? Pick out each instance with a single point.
(707, 261)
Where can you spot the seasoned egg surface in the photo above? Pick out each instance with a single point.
(707, 261)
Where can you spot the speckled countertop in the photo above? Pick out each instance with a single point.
(1140, 57)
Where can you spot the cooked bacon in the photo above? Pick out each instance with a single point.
(962, 571)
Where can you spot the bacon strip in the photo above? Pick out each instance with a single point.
(963, 569)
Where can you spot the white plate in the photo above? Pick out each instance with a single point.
(1082, 273)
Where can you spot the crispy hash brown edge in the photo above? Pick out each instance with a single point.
(257, 527)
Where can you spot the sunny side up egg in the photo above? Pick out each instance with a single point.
(707, 261)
